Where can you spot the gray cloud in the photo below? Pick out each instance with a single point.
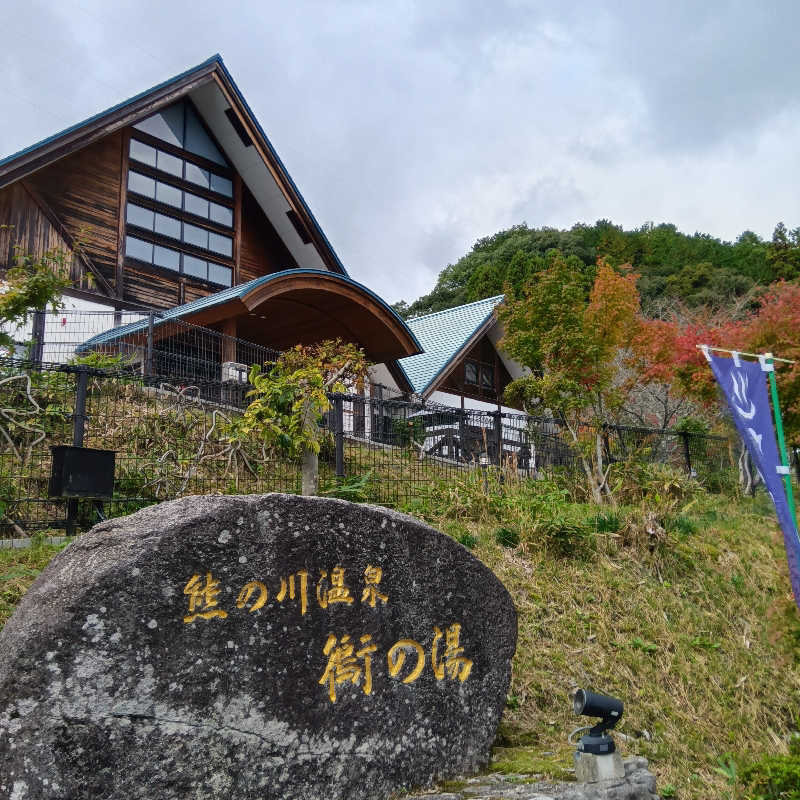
(414, 128)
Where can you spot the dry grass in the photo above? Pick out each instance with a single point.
(18, 570)
(692, 624)
(695, 629)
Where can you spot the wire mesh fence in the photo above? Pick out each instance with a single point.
(174, 437)
(149, 344)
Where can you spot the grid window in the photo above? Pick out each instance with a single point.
(168, 226)
(220, 244)
(141, 184)
(138, 248)
(222, 215)
(141, 217)
(470, 373)
(180, 126)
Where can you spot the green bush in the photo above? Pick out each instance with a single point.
(507, 537)
(469, 540)
(607, 523)
(773, 778)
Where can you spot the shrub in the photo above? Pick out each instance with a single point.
(507, 537)
(773, 778)
(469, 540)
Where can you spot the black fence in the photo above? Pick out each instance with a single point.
(172, 437)
(148, 344)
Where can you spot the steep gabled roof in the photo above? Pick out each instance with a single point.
(444, 335)
(194, 82)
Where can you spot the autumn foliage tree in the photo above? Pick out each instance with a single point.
(572, 341)
(772, 326)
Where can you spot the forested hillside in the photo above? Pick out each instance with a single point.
(696, 269)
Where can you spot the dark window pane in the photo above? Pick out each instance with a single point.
(167, 125)
(136, 215)
(170, 164)
(470, 372)
(219, 274)
(168, 194)
(220, 244)
(164, 257)
(198, 141)
(222, 215)
(198, 175)
(167, 226)
(194, 235)
(487, 377)
(221, 185)
(141, 184)
(196, 205)
(195, 266)
(143, 152)
(136, 248)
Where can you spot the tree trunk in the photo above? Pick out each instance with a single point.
(310, 471)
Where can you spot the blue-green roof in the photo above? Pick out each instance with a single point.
(442, 336)
(187, 309)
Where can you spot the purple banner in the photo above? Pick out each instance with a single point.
(744, 384)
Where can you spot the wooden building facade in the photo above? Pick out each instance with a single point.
(177, 195)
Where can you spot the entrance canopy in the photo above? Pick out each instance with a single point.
(296, 306)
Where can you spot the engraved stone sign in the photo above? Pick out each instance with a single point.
(263, 646)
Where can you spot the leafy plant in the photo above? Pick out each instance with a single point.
(289, 398)
(508, 537)
(355, 489)
(33, 282)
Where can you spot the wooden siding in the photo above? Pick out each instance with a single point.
(26, 226)
(483, 351)
(82, 190)
(262, 250)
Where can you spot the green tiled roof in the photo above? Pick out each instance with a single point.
(442, 335)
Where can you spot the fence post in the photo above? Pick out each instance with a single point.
(37, 337)
(338, 427)
(148, 359)
(498, 436)
(78, 433)
(686, 453)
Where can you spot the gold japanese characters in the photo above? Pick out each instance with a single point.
(349, 657)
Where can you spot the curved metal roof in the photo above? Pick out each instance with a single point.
(242, 291)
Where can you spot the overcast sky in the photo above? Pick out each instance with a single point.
(415, 128)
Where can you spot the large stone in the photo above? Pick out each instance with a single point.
(263, 646)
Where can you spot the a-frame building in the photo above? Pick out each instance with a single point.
(175, 200)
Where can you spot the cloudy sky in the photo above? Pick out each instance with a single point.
(415, 128)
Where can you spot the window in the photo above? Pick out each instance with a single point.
(167, 258)
(164, 225)
(180, 126)
(180, 168)
(180, 197)
(480, 375)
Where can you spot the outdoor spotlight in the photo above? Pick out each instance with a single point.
(595, 755)
(609, 709)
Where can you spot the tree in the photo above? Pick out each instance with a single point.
(572, 345)
(31, 284)
(289, 398)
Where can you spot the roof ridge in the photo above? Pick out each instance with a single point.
(497, 297)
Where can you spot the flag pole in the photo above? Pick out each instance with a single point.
(776, 410)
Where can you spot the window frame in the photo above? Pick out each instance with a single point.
(181, 215)
(483, 369)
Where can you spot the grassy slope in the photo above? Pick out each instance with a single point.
(694, 628)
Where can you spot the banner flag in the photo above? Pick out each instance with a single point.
(745, 388)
